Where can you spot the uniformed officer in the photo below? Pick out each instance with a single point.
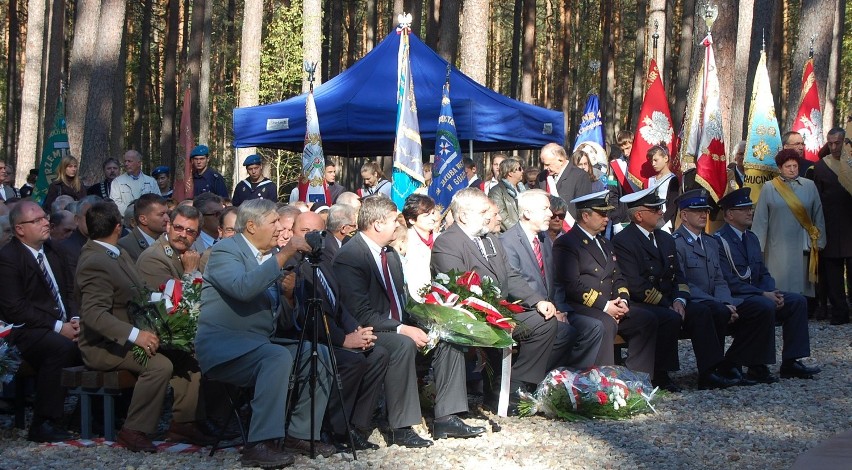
(648, 260)
(256, 186)
(751, 325)
(586, 269)
(747, 276)
(161, 174)
(205, 179)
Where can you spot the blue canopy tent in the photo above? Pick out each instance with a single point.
(357, 110)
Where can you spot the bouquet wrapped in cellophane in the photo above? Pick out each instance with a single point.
(171, 314)
(10, 357)
(606, 392)
(464, 309)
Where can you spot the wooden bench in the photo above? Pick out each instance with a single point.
(85, 383)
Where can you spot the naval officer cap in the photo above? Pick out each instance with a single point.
(598, 201)
(199, 151)
(647, 197)
(253, 159)
(696, 199)
(736, 199)
(160, 170)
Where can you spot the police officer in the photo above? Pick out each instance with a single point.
(161, 174)
(747, 276)
(256, 186)
(205, 179)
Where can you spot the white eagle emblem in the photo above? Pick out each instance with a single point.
(657, 129)
(812, 131)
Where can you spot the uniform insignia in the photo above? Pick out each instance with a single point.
(143, 244)
(111, 254)
(683, 287)
(590, 297)
(623, 290)
(169, 251)
(585, 241)
(653, 296)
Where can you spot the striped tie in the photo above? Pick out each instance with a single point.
(53, 290)
(538, 257)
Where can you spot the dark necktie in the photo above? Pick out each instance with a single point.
(651, 237)
(394, 307)
(538, 256)
(54, 291)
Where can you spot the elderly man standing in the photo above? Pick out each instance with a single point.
(172, 256)
(204, 178)
(131, 185)
(152, 218)
(241, 306)
(563, 178)
(37, 296)
(107, 284)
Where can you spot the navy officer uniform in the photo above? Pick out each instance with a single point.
(754, 329)
(208, 181)
(648, 261)
(246, 190)
(747, 276)
(586, 270)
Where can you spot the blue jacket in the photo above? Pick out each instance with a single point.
(209, 182)
(701, 268)
(246, 191)
(744, 256)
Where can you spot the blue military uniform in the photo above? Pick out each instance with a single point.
(742, 264)
(246, 190)
(209, 181)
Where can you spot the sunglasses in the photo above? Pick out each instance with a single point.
(560, 216)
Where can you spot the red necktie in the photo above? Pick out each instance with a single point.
(389, 287)
(538, 257)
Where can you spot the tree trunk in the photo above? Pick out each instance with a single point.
(607, 72)
(12, 97)
(474, 39)
(312, 38)
(336, 38)
(657, 13)
(612, 122)
(140, 138)
(830, 117)
(250, 68)
(742, 89)
(193, 59)
(169, 108)
(433, 24)
(448, 44)
(82, 59)
(774, 52)
(684, 62)
(119, 87)
(31, 92)
(415, 7)
(53, 72)
(371, 38)
(813, 22)
(639, 68)
(517, 33)
(724, 48)
(352, 33)
(204, 84)
(568, 61)
(528, 52)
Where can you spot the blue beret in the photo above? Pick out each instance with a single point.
(253, 159)
(739, 198)
(160, 170)
(199, 151)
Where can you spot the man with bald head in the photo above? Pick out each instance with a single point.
(349, 199)
(133, 183)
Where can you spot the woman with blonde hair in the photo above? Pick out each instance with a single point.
(374, 180)
(66, 183)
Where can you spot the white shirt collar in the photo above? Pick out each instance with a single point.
(374, 247)
(255, 252)
(147, 237)
(34, 252)
(739, 233)
(587, 233)
(114, 249)
(644, 232)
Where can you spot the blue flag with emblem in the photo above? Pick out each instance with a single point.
(448, 171)
(591, 126)
(764, 135)
(407, 152)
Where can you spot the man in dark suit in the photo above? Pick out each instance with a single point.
(647, 257)
(71, 246)
(361, 363)
(108, 284)
(747, 276)
(473, 180)
(37, 295)
(341, 223)
(530, 252)
(375, 294)
(736, 168)
(468, 246)
(587, 271)
(752, 326)
(241, 308)
(563, 178)
(152, 217)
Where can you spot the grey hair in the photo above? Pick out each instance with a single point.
(632, 211)
(374, 209)
(253, 211)
(558, 204)
(527, 198)
(84, 204)
(61, 203)
(347, 198)
(288, 211)
(464, 199)
(338, 216)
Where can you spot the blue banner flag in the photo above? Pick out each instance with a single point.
(407, 152)
(764, 135)
(448, 171)
(591, 127)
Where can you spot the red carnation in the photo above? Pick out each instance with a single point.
(602, 398)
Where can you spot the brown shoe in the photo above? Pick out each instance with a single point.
(266, 454)
(136, 441)
(304, 447)
(190, 433)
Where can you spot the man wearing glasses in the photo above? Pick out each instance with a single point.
(172, 256)
(211, 206)
(341, 225)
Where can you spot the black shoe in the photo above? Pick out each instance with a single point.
(837, 320)
(797, 370)
(361, 442)
(713, 380)
(406, 437)
(662, 380)
(266, 455)
(453, 426)
(735, 374)
(760, 374)
(45, 431)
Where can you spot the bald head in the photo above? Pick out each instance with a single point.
(308, 222)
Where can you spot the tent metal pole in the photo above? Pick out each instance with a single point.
(470, 147)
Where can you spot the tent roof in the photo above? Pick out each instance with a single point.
(357, 110)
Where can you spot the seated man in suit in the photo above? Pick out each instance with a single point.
(361, 363)
(107, 283)
(151, 216)
(172, 256)
(648, 259)
(468, 245)
(753, 326)
(375, 295)
(240, 310)
(747, 276)
(342, 222)
(586, 269)
(530, 252)
(37, 298)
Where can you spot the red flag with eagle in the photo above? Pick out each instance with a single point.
(809, 118)
(703, 143)
(654, 128)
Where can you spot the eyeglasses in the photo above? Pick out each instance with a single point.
(36, 221)
(560, 216)
(228, 230)
(180, 228)
(655, 210)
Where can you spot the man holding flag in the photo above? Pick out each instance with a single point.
(407, 153)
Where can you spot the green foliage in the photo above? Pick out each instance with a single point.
(281, 59)
(844, 97)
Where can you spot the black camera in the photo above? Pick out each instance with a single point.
(315, 240)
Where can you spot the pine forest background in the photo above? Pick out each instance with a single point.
(124, 66)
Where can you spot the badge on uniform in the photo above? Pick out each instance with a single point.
(143, 244)
(112, 254)
(169, 251)
(585, 241)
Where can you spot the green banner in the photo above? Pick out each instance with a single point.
(55, 148)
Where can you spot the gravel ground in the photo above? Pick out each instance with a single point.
(760, 427)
